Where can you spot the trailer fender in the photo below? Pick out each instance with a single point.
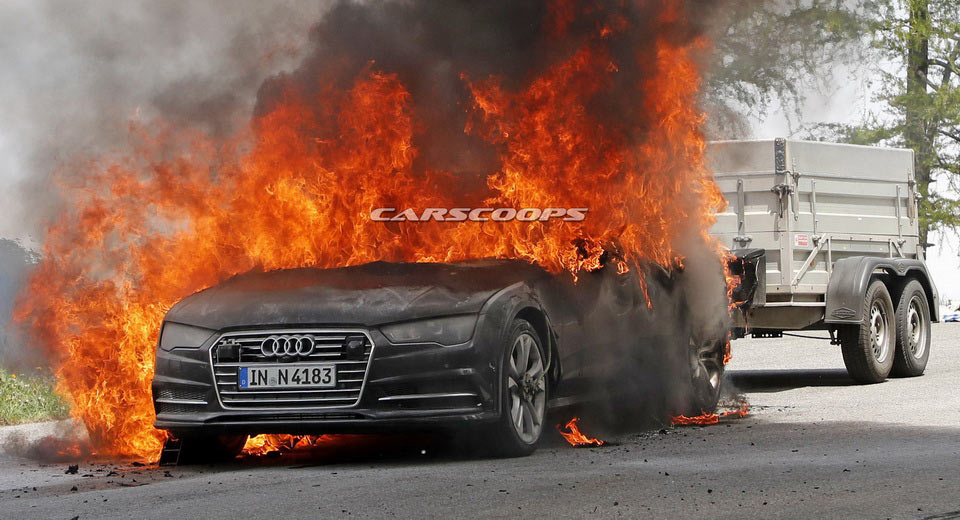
(851, 277)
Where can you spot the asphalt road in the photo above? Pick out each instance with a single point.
(814, 446)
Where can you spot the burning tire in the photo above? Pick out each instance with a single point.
(913, 332)
(868, 348)
(706, 374)
(523, 394)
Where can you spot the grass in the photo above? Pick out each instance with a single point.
(29, 398)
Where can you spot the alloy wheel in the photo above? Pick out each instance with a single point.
(706, 363)
(525, 383)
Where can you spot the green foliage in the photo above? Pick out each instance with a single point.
(918, 60)
(29, 398)
(772, 52)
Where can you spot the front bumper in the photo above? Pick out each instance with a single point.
(406, 386)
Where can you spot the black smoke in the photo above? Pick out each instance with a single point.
(434, 47)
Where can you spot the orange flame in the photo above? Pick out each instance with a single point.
(727, 354)
(263, 444)
(733, 281)
(181, 211)
(710, 418)
(575, 437)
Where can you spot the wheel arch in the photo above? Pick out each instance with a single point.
(538, 319)
(520, 300)
(852, 276)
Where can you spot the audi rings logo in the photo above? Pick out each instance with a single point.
(277, 346)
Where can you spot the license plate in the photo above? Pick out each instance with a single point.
(314, 375)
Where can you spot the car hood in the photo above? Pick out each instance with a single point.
(369, 294)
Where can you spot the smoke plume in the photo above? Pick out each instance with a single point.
(76, 74)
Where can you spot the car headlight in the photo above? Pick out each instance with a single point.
(450, 330)
(184, 336)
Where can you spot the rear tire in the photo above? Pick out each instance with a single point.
(523, 394)
(706, 370)
(868, 348)
(913, 332)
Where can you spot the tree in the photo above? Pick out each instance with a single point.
(930, 103)
(773, 52)
(919, 46)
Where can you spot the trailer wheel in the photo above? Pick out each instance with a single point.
(913, 332)
(868, 347)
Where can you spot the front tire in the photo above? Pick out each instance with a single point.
(523, 393)
(868, 348)
(913, 332)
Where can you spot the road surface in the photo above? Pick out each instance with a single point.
(814, 446)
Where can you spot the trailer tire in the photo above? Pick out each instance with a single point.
(868, 348)
(913, 332)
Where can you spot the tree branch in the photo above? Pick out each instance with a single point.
(947, 66)
(951, 135)
(929, 82)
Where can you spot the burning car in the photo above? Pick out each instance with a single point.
(476, 346)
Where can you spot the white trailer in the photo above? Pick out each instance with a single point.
(826, 237)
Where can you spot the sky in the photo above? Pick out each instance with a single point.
(75, 73)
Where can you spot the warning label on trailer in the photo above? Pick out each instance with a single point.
(801, 240)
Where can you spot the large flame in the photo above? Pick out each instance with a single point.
(180, 211)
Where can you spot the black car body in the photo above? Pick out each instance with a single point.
(415, 345)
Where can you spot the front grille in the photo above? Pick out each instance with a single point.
(177, 408)
(243, 348)
(182, 394)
